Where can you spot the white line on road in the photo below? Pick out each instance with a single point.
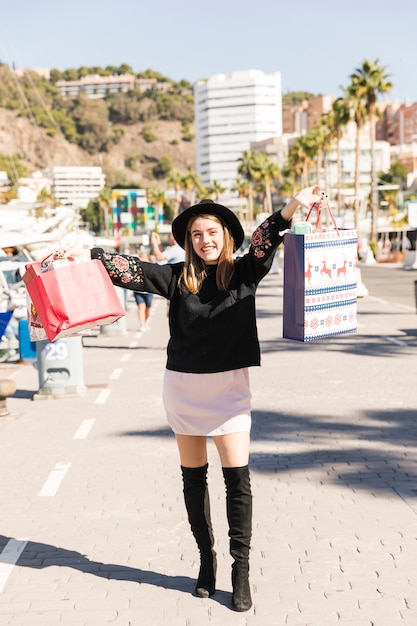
(54, 479)
(133, 344)
(125, 357)
(401, 306)
(103, 396)
(84, 429)
(397, 342)
(116, 373)
(9, 557)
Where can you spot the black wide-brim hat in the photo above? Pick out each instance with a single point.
(208, 207)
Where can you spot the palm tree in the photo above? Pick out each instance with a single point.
(104, 202)
(340, 118)
(156, 198)
(368, 81)
(216, 189)
(360, 116)
(192, 183)
(174, 180)
(241, 187)
(247, 170)
(306, 148)
(266, 171)
(318, 133)
(293, 167)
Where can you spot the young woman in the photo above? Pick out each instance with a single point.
(213, 341)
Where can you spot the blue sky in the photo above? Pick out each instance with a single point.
(314, 45)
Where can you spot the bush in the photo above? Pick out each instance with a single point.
(148, 135)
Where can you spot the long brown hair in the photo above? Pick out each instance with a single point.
(195, 270)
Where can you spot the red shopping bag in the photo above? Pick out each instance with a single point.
(73, 297)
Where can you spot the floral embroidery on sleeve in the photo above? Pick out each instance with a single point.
(268, 236)
(261, 239)
(124, 269)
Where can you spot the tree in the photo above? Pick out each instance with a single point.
(368, 81)
(305, 149)
(266, 171)
(216, 189)
(156, 198)
(174, 179)
(192, 183)
(104, 203)
(360, 115)
(162, 168)
(247, 170)
(339, 119)
(241, 187)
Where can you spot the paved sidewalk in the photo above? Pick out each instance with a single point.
(91, 502)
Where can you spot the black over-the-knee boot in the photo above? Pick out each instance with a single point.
(239, 515)
(197, 503)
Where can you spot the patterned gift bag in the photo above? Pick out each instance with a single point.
(320, 281)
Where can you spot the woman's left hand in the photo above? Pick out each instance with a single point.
(309, 196)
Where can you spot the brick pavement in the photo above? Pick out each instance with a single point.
(334, 465)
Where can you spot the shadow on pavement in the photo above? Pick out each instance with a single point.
(352, 344)
(371, 453)
(40, 555)
(370, 456)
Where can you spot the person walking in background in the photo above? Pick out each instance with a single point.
(213, 341)
(171, 254)
(144, 304)
(144, 300)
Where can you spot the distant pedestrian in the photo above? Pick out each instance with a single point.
(144, 300)
(171, 254)
(213, 341)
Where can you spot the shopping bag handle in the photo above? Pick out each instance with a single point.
(322, 203)
(54, 256)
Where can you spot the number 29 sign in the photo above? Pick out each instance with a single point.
(57, 351)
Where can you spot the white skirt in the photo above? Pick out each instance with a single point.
(208, 404)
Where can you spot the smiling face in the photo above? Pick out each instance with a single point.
(207, 239)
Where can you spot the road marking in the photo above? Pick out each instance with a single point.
(138, 334)
(125, 357)
(9, 557)
(103, 396)
(54, 480)
(84, 429)
(116, 373)
(133, 344)
(401, 306)
(397, 342)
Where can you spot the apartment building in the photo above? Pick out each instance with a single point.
(76, 185)
(100, 86)
(399, 123)
(231, 111)
(303, 117)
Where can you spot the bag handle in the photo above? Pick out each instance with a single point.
(55, 256)
(323, 203)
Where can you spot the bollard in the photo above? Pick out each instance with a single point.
(7, 388)
(119, 326)
(60, 368)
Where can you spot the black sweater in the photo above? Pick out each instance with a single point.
(211, 331)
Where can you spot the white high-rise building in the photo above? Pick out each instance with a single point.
(231, 111)
(76, 185)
